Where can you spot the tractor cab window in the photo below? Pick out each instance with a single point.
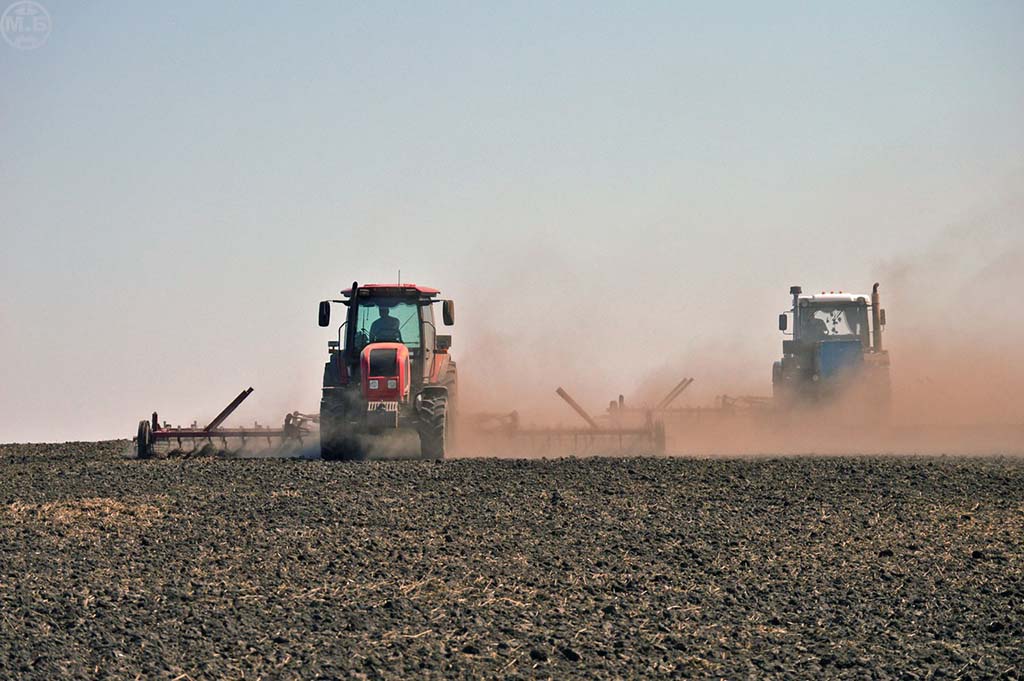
(388, 321)
(833, 322)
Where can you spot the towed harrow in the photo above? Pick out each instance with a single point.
(153, 436)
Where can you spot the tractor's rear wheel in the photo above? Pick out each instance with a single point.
(144, 440)
(434, 426)
(337, 443)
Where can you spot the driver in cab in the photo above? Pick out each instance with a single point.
(385, 329)
(818, 329)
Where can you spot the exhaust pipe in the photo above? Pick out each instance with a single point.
(795, 291)
(350, 331)
(876, 318)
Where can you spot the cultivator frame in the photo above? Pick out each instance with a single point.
(646, 437)
(151, 433)
(560, 441)
(662, 420)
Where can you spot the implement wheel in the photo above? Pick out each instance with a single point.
(144, 441)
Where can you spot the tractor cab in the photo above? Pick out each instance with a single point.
(391, 314)
(837, 317)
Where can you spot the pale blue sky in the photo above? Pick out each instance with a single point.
(183, 181)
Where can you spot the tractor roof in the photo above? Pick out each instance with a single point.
(393, 290)
(833, 297)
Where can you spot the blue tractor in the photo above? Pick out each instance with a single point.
(835, 351)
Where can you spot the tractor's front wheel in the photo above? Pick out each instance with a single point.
(434, 427)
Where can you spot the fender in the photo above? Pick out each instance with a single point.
(438, 366)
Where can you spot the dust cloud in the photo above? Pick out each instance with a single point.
(954, 334)
(957, 330)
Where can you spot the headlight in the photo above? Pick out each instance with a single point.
(392, 383)
(374, 384)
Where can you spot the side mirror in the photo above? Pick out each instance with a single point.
(442, 343)
(783, 322)
(448, 312)
(325, 312)
(881, 316)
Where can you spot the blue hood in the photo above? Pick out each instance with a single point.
(838, 356)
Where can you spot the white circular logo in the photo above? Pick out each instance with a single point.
(25, 25)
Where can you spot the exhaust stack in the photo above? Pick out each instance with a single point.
(876, 318)
(795, 291)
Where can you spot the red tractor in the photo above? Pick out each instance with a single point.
(392, 372)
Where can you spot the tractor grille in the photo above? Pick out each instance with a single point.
(384, 362)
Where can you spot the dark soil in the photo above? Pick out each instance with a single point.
(596, 568)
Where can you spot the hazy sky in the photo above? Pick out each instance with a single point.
(605, 189)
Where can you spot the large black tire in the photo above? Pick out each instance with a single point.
(783, 394)
(434, 425)
(144, 440)
(337, 443)
(451, 381)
